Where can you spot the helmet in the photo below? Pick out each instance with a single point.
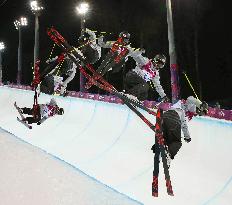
(60, 111)
(203, 109)
(159, 61)
(84, 37)
(125, 36)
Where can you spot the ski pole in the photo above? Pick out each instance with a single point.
(190, 84)
(59, 67)
(52, 51)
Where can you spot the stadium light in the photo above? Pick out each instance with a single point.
(21, 22)
(83, 8)
(36, 7)
(2, 46)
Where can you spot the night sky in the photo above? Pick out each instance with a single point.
(203, 39)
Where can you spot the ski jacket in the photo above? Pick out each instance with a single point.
(48, 110)
(180, 109)
(93, 42)
(186, 110)
(146, 70)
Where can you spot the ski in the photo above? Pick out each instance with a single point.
(24, 123)
(155, 181)
(22, 117)
(160, 149)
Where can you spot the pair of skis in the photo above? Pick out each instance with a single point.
(22, 120)
(160, 149)
(132, 104)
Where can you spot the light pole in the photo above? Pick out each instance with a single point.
(82, 10)
(2, 47)
(18, 25)
(172, 55)
(36, 9)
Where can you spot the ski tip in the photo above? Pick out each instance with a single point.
(171, 194)
(155, 194)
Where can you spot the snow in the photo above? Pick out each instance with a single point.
(112, 145)
(28, 176)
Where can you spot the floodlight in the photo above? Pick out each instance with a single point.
(2, 46)
(83, 8)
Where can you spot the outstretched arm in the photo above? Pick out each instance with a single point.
(184, 128)
(135, 53)
(158, 86)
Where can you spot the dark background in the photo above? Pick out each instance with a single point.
(202, 34)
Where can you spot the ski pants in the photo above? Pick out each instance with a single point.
(135, 85)
(29, 111)
(107, 63)
(91, 55)
(172, 131)
(47, 85)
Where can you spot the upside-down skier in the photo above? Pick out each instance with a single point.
(89, 47)
(40, 112)
(119, 50)
(175, 119)
(56, 81)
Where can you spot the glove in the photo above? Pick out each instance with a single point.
(187, 139)
(39, 123)
(142, 50)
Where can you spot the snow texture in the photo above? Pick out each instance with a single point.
(112, 145)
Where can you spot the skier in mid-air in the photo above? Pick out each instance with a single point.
(117, 54)
(89, 48)
(136, 80)
(56, 81)
(40, 112)
(175, 119)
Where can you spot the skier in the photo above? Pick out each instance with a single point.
(88, 47)
(56, 81)
(118, 52)
(41, 112)
(174, 120)
(136, 80)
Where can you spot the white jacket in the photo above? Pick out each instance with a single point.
(179, 108)
(47, 110)
(93, 41)
(152, 75)
(182, 107)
